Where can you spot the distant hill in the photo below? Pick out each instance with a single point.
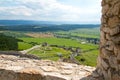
(25, 22)
(44, 28)
(31, 22)
(36, 26)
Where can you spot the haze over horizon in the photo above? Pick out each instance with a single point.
(78, 11)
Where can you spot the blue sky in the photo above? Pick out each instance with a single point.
(79, 11)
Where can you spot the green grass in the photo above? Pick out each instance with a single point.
(85, 33)
(51, 53)
(58, 41)
(23, 46)
(88, 58)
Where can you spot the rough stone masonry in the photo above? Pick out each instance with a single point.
(20, 68)
(109, 58)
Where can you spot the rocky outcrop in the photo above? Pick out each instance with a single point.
(21, 68)
(109, 58)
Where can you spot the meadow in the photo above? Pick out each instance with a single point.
(84, 32)
(84, 37)
(87, 56)
(55, 41)
(53, 52)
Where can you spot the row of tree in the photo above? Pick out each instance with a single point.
(89, 40)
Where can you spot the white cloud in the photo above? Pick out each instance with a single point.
(47, 10)
(21, 10)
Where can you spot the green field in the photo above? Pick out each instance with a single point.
(88, 58)
(51, 53)
(70, 38)
(89, 51)
(85, 33)
(23, 46)
(56, 41)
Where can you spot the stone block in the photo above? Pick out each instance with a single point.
(106, 30)
(103, 3)
(116, 39)
(109, 74)
(118, 56)
(116, 8)
(108, 1)
(106, 53)
(113, 21)
(55, 77)
(115, 2)
(103, 20)
(105, 9)
(116, 50)
(102, 38)
(49, 69)
(66, 72)
(115, 30)
(113, 62)
(108, 37)
(109, 45)
(105, 74)
(104, 64)
(115, 77)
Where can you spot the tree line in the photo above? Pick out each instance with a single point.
(8, 42)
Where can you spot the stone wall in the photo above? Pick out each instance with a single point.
(20, 68)
(20, 54)
(109, 59)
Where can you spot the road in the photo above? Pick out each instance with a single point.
(27, 50)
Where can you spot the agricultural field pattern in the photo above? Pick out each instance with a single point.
(73, 43)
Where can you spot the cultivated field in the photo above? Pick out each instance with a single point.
(79, 42)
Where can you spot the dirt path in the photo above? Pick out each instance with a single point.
(27, 50)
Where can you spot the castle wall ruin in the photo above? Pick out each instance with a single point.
(109, 58)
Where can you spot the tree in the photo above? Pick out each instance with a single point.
(8, 43)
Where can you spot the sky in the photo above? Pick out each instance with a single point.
(78, 11)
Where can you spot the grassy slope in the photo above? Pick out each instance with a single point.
(51, 53)
(23, 46)
(58, 41)
(89, 57)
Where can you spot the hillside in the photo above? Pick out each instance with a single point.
(63, 41)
